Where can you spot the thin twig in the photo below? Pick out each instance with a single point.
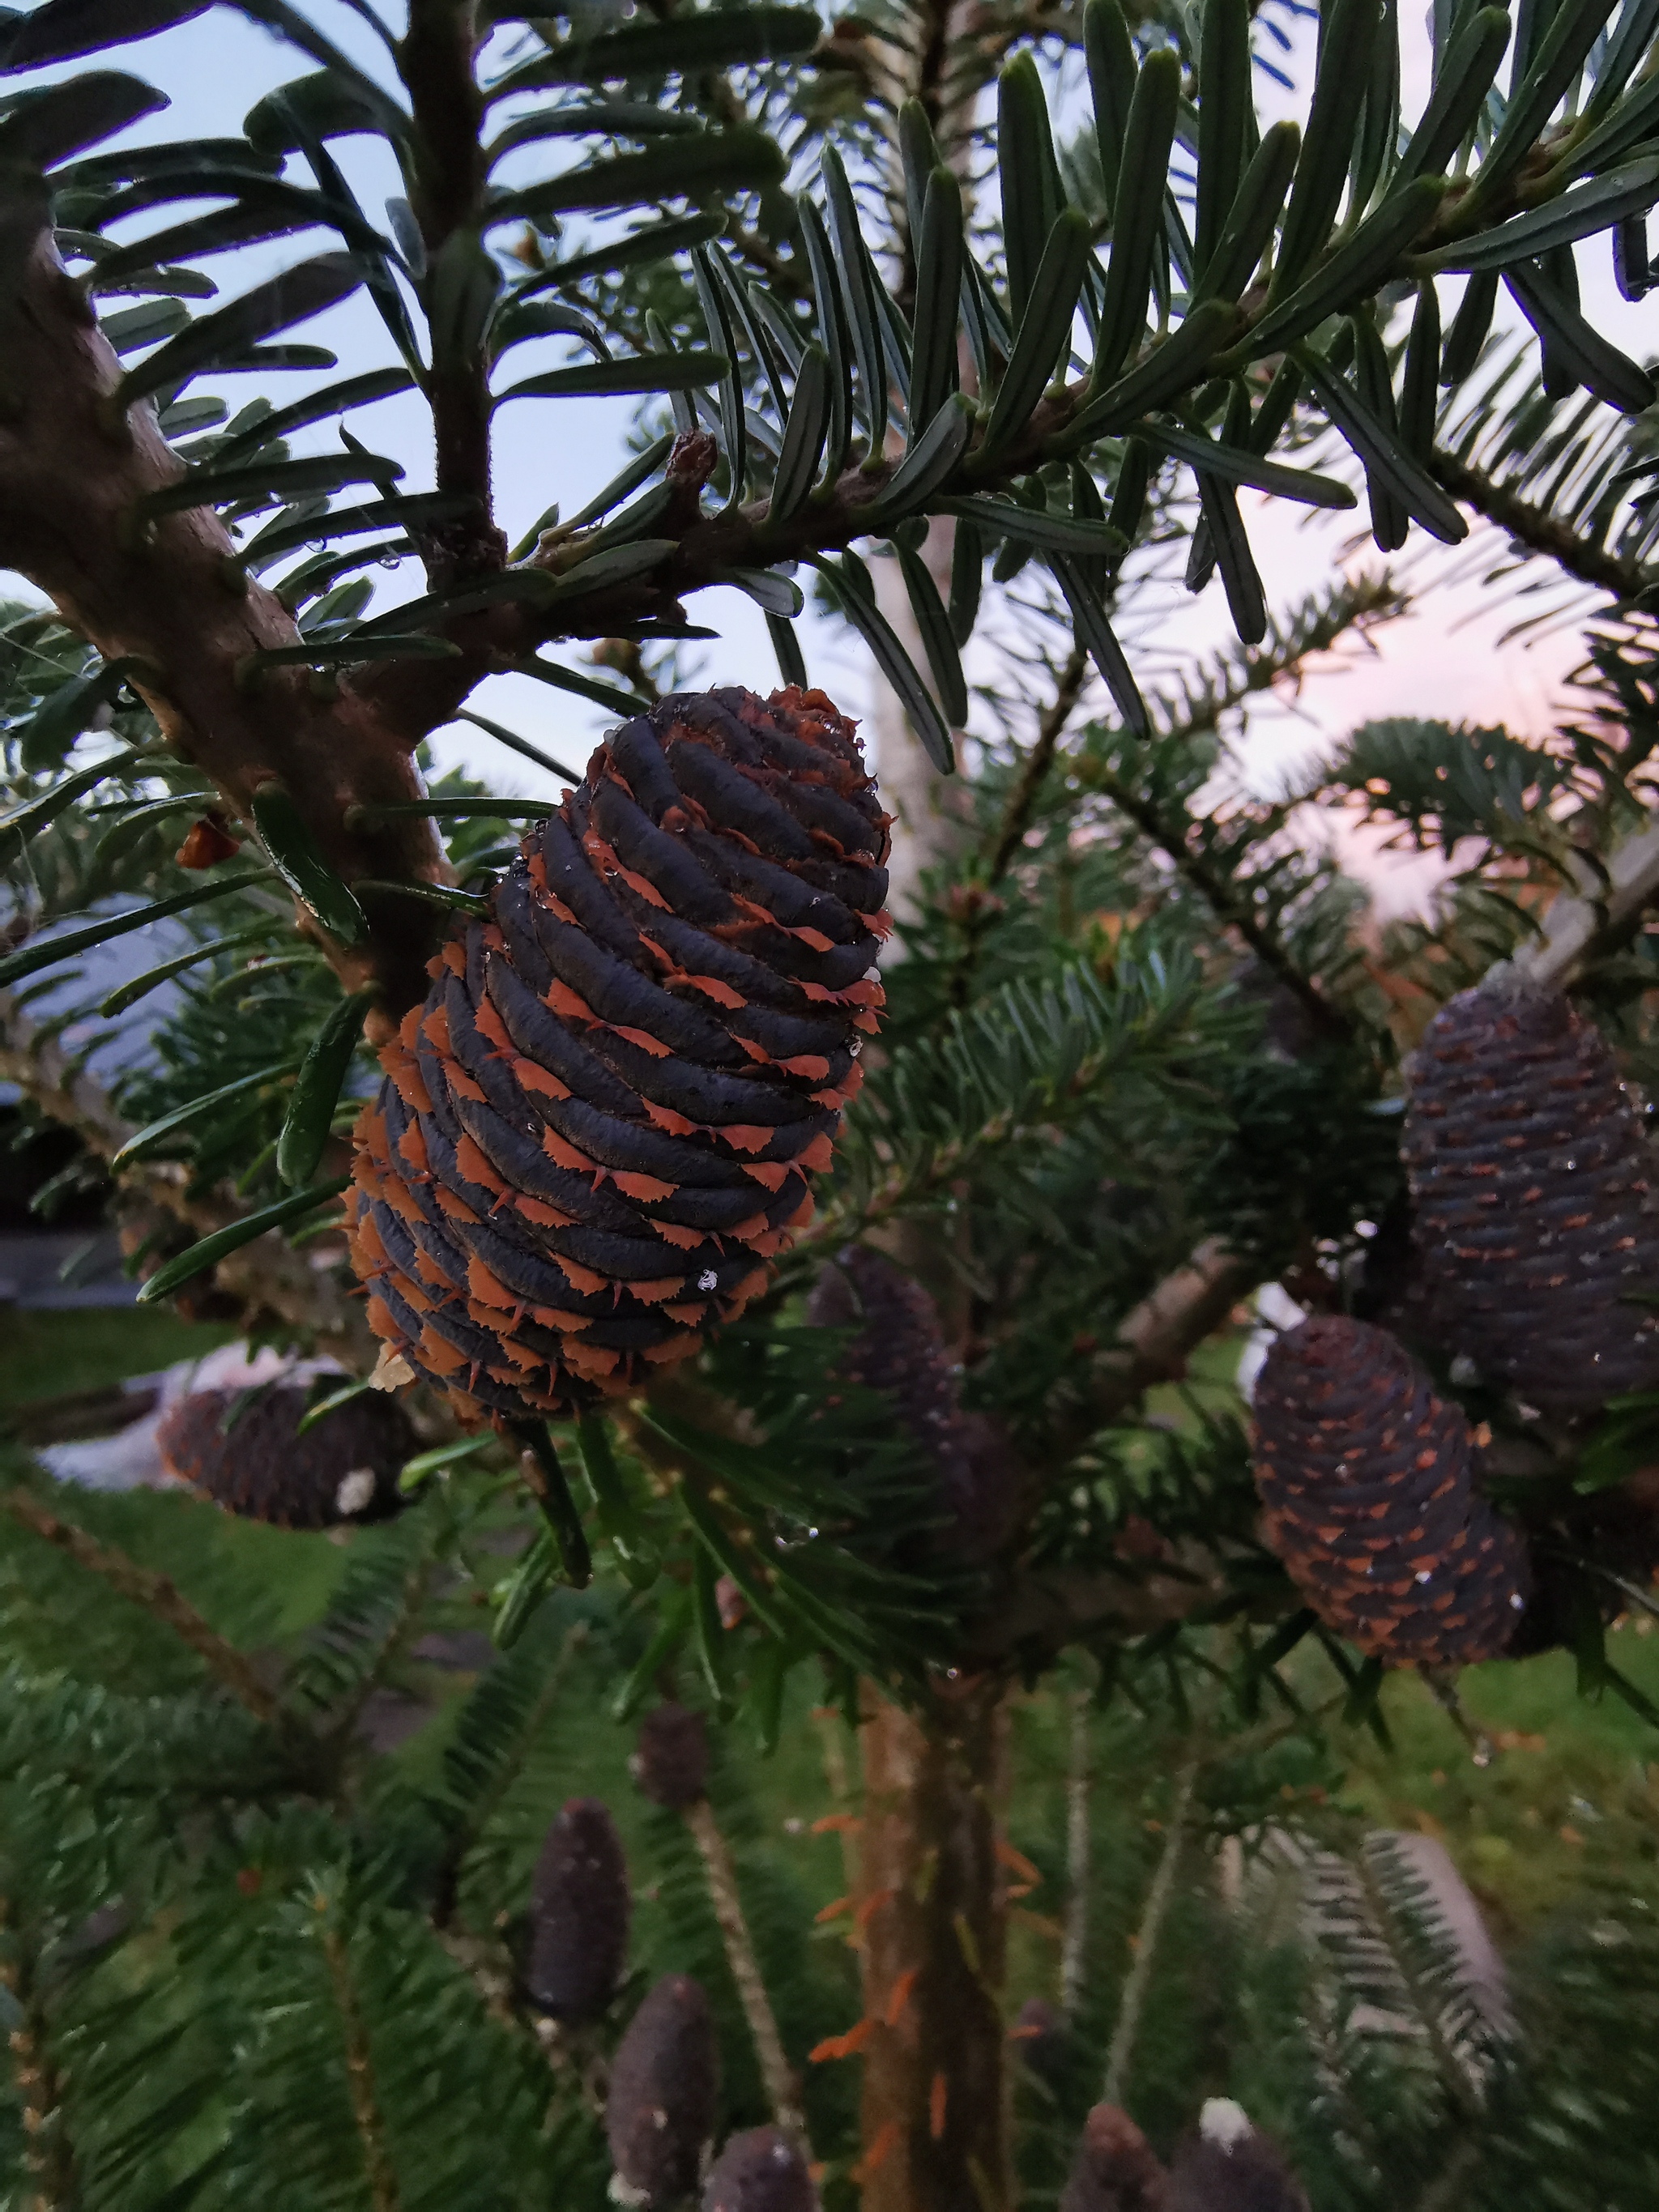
(360, 2078)
(48, 2155)
(1016, 815)
(1022, 800)
(1075, 1935)
(1232, 907)
(1537, 530)
(155, 1594)
(782, 2090)
(1132, 2001)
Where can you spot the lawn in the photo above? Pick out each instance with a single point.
(50, 1354)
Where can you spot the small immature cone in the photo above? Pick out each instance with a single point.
(761, 2171)
(670, 1757)
(601, 1125)
(251, 1459)
(1040, 2039)
(1531, 1179)
(1366, 1477)
(665, 2080)
(900, 1351)
(1115, 2169)
(1229, 2166)
(579, 1910)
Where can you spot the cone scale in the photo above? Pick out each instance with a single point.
(600, 1126)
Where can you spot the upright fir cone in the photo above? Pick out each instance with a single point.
(600, 1125)
(670, 1757)
(1228, 2165)
(250, 1458)
(900, 1351)
(760, 2170)
(1115, 2169)
(579, 1912)
(1366, 1477)
(664, 2082)
(1535, 1214)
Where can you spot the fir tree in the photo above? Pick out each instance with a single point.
(282, 1921)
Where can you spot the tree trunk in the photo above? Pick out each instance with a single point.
(933, 1915)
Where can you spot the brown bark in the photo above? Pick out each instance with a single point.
(435, 60)
(933, 1915)
(70, 482)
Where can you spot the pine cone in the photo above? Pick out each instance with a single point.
(900, 1351)
(249, 1458)
(664, 2082)
(1534, 1212)
(761, 2171)
(670, 1758)
(1115, 2169)
(579, 1910)
(1366, 1476)
(599, 1126)
(1231, 2166)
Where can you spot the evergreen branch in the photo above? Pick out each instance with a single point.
(1538, 529)
(1133, 2000)
(1027, 1058)
(75, 470)
(1168, 1325)
(1602, 915)
(267, 1275)
(48, 2154)
(508, 1759)
(1228, 899)
(359, 2076)
(781, 2084)
(399, 1634)
(156, 1594)
(1427, 2006)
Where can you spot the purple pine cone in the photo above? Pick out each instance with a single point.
(1531, 1177)
(900, 1351)
(761, 2171)
(579, 1909)
(1115, 2169)
(670, 1758)
(664, 2082)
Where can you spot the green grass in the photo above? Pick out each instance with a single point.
(50, 1354)
(1571, 1788)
